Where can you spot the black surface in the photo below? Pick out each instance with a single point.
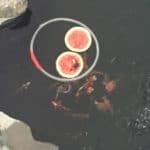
(122, 27)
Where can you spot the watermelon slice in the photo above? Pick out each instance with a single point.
(78, 39)
(69, 64)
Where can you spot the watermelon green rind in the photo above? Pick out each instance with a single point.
(58, 68)
(76, 49)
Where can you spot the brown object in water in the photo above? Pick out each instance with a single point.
(59, 106)
(87, 87)
(90, 90)
(105, 105)
(109, 85)
(85, 60)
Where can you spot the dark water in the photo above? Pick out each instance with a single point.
(122, 28)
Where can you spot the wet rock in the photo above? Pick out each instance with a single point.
(141, 122)
(10, 9)
(16, 135)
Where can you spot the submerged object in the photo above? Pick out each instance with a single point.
(105, 105)
(11, 9)
(109, 85)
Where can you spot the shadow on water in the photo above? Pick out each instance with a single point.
(19, 22)
(23, 21)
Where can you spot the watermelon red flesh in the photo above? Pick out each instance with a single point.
(69, 64)
(78, 39)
